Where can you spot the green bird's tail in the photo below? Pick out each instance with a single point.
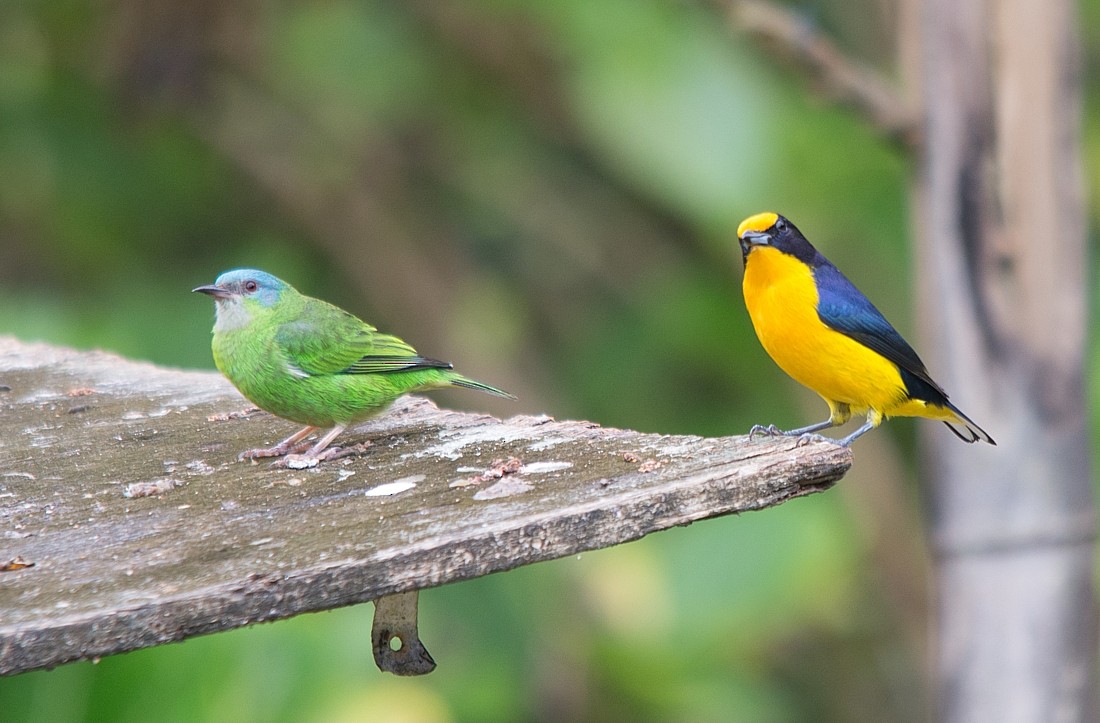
(460, 381)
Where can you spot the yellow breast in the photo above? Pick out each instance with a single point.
(782, 301)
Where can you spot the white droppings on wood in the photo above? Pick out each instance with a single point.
(199, 467)
(506, 487)
(459, 439)
(544, 467)
(151, 487)
(546, 443)
(300, 461)
(395, 487)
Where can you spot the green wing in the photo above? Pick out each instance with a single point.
(325, 339)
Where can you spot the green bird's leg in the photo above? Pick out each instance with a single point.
(287, 445)
(317, 449)
(316, 454)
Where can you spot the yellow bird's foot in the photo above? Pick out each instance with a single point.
(769, 431)
(773, 431)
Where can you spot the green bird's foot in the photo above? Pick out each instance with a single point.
(291, 445)
(310, 460)
(276, 451)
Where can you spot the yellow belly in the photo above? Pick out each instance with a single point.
(782, 301)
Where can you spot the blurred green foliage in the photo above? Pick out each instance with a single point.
(545, 194)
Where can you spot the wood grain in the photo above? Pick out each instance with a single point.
(204, 543)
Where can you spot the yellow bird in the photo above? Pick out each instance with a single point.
(822, 331)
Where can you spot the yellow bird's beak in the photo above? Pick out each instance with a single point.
(752, 239)
(756, 231)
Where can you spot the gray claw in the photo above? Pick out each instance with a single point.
(769, 431)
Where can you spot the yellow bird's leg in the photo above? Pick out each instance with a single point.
(839, 413)
(874, 418)
(773, 431)
(290, 444)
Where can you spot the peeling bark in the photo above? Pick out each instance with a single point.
(216, 544)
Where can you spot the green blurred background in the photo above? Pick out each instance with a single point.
(546, 194)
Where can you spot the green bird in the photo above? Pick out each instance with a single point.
(313, 363)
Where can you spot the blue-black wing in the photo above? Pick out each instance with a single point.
(844, 308)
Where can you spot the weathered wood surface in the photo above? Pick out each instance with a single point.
(226, 543)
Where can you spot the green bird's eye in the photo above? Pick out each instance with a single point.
(250, 286)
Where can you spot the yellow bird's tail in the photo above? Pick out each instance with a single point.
(965, 428)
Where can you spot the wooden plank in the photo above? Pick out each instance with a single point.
(218, 544)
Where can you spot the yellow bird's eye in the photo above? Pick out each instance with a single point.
(250, 286)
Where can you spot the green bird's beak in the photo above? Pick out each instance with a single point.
(216, 291)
